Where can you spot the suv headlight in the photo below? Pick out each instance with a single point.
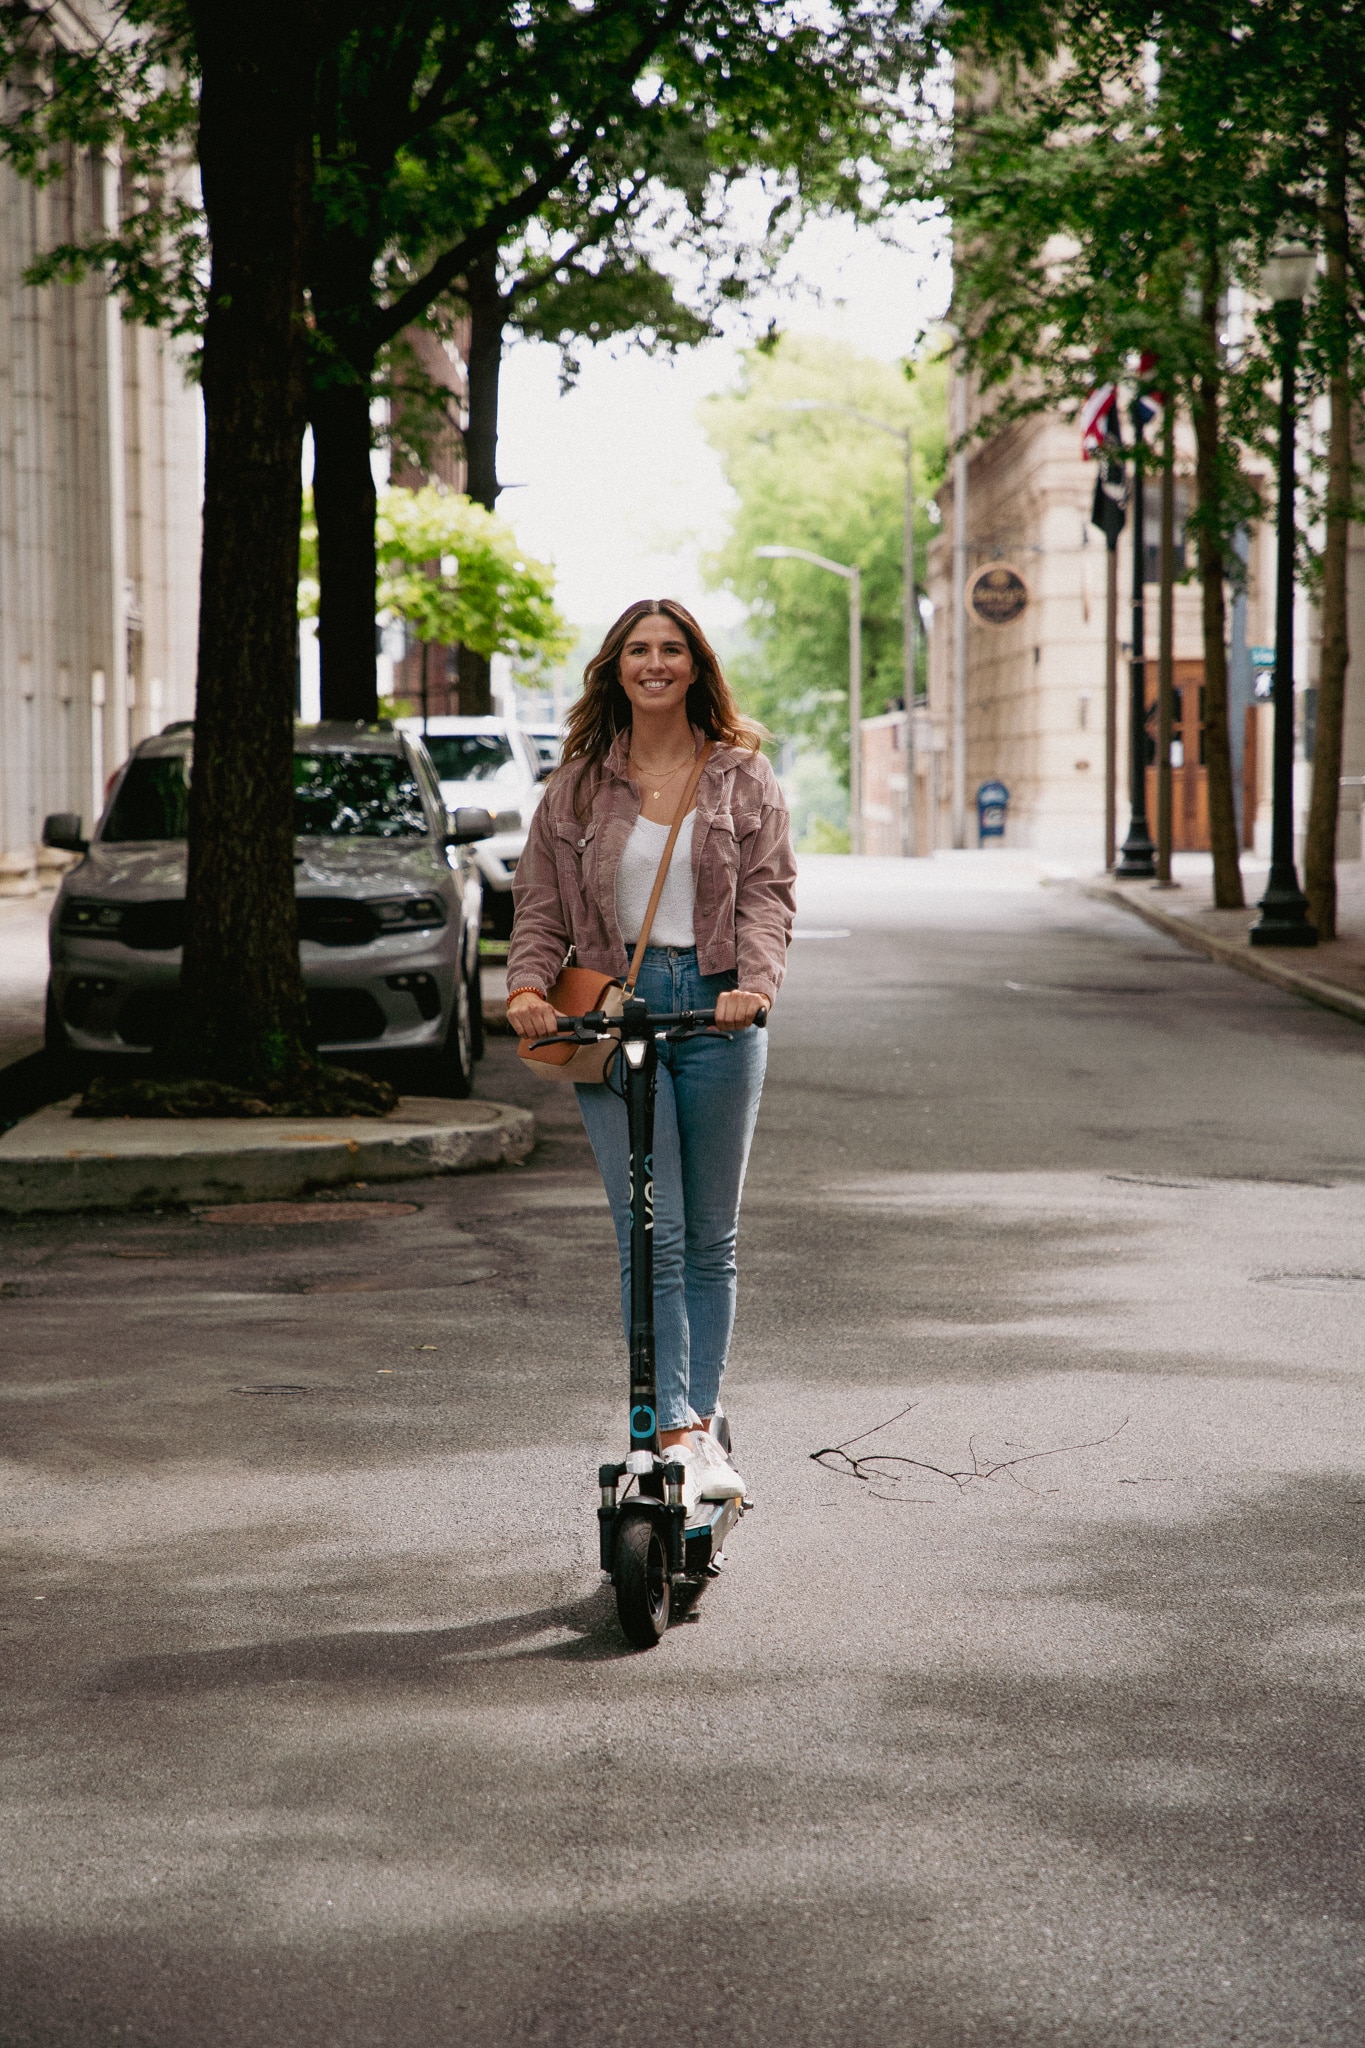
(83, 914)
(408, 913)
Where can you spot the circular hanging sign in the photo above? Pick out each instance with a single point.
(997, 594)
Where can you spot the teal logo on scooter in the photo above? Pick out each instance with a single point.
(643, 1422)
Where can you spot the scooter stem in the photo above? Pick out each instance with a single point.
(640, 1076)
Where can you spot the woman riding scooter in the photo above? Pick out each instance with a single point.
(654, 696)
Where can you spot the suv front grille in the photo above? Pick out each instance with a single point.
(336, 921)
(154, 927)
(335, 1016)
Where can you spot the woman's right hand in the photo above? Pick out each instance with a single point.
(530, 1016)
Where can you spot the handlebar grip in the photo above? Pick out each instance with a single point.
(761, 1020)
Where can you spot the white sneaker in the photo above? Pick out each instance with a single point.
(718, 1479)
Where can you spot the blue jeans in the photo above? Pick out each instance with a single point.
(704, 1115)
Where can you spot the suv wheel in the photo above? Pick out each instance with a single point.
(55, 1041)
(476, 1033)
(451, 1070)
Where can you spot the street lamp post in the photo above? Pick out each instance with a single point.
(1286, 279)
(1139, 855)
(853, 576)
(903, 435)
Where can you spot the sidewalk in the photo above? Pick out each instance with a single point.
(50, 1161)
(23, 974)
(1332, 973)
(53, 1161)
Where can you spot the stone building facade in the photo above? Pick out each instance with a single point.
(1035, 688)
(101, 470)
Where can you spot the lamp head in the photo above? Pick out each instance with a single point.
(1288, 272)
(773, 554)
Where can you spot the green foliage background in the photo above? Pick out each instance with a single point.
(823, 481)
(455, 575)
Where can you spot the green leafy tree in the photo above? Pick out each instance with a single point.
(819, 479)
(1312, 64)
(453, 573)
(1111, 173)
(574, 282)
(1092, 223)
(439, 137)
(356, 159)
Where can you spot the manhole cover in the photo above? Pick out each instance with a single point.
(308, 1212)
(1314, 1283)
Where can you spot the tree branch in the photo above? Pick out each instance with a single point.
(874, 1466)
(392, 319)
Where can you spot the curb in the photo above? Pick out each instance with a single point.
(1246, 959)
(52, 1162)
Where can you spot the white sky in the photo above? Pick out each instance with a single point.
(621, 490)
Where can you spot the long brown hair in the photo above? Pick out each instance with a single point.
(603, 710)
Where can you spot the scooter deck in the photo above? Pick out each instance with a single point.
(704, 1536)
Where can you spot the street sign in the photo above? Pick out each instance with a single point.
(1262, 657)
(997, 594)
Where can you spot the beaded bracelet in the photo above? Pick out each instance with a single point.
(526, 989)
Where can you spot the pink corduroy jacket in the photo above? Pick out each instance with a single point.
(743, 871)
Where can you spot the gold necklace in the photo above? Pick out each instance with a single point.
(664, 779)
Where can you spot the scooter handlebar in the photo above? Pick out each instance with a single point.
(594, 1023)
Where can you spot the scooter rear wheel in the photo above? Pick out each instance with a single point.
(642, 1589)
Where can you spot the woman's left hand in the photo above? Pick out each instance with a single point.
(735, 1008)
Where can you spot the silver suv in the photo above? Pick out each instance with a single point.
(389, 903)
(488, 761)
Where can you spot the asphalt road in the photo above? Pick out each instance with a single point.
(317, 1726)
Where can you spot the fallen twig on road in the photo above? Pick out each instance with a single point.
(874, 1467)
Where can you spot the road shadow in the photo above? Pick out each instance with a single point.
(374, 1656)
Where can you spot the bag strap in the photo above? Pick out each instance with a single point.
(684, 804)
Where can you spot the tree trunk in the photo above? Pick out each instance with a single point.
(244, 1007)
(1320, 849)
(487, 319)
(1207, 410)
(344, 501)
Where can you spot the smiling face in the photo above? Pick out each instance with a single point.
(656, 666)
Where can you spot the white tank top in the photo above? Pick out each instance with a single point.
(640, 859)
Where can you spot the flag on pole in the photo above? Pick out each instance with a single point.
(1109, 507)
(1151, 405)
(1096, 413)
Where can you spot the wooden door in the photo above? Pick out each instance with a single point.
(1189, 772)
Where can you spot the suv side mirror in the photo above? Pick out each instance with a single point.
(63, 830)
(470, 822)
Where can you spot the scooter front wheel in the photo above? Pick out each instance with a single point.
(642, 1590)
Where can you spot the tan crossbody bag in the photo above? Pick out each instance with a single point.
(580, 989)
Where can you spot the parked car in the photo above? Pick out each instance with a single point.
(488, 761)
(389, 904)
(548, 741)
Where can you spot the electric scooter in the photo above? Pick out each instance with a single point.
(656, 1557)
